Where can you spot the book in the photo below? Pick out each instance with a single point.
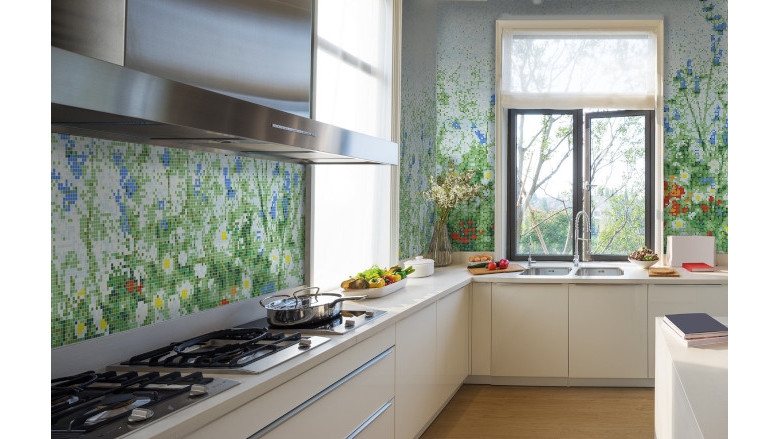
(702, 341)
(695, 325)
(697, 266)
(705, 341)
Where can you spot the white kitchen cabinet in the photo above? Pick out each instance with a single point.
(349, 387)
(415, 374)
(607, 331)
(530, 330)
(480, 328)
(452, 343)
(342, 408)
(678, 299)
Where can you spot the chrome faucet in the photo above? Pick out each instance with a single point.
(530, 260)
(585, 232)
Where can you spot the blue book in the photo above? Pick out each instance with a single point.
(695, 325)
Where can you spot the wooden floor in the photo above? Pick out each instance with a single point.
(481, 411)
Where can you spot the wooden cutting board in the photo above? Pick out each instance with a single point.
(662, 272)
(484, 270)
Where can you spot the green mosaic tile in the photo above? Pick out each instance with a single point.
(696, 133)
(143, 234)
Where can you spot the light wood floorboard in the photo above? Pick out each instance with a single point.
(482, 411)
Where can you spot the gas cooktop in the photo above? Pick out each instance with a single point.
(346, 321)
(110, 404)
(234, 351)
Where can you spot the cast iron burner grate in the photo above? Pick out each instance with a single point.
(223, 349)
(89, 401)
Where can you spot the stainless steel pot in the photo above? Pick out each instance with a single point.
(303, 309)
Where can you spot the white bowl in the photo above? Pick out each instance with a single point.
(643, 264)
(376, 292)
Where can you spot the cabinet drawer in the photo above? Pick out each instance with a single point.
(379, 426)
(265, 409)
(339, 410)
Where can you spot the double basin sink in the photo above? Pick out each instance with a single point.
(576, 271)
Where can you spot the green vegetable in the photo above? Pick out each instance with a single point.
(371, 273)
(479, 264)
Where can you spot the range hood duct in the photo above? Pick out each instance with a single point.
(164, 106)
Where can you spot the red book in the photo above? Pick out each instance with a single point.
(697, 266)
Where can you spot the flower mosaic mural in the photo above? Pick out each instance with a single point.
(695, 110)
(696, 136)
(142, 234)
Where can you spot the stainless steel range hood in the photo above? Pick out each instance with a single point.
(135, 98)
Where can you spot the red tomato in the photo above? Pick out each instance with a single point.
(503, 264)
(491, 266)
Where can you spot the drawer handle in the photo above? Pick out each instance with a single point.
(370, 420)
(268, 428)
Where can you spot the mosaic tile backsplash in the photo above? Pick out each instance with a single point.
(695, 110)
(142, 234)
(418, 126)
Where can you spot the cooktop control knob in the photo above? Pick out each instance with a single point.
(139, 415)
(198, 390)
(304, 343)
(349, 323)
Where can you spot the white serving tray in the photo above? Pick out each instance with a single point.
(376, 292)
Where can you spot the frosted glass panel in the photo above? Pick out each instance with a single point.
(557, 64)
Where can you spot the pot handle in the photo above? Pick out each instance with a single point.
(345, 298)
(271, 297)
(316, 293)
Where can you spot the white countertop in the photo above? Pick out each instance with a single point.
(631, 275)
(703, 373)
(418, 293)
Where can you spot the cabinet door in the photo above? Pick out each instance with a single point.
(452, 342)
(530, 330)
(607, 331)
(678, 299)
(415, 379)
(480, 328)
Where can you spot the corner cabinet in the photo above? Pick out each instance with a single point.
(432, 360)
(530, 330)
(678, 299)
(607, 331)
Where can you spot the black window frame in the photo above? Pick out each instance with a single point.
(581, 142)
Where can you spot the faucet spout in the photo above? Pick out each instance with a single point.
(584, 239)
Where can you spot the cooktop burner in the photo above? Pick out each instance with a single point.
(110, 404)
(235, 350)
(346, 321)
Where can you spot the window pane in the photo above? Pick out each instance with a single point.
(617, 169)
(544, 164)
(582, 64)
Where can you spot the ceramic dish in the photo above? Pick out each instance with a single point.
(643, 264)
(376, 292)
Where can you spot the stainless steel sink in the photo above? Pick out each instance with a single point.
(599, 271)
(546, 271)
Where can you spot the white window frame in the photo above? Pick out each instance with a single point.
(563, 24)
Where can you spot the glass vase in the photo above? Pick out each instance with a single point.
(440, 247)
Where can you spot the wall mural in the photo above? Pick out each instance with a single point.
(695, 110)
(142, 234)
(418, 161)
(696, 135)
(418, 126)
